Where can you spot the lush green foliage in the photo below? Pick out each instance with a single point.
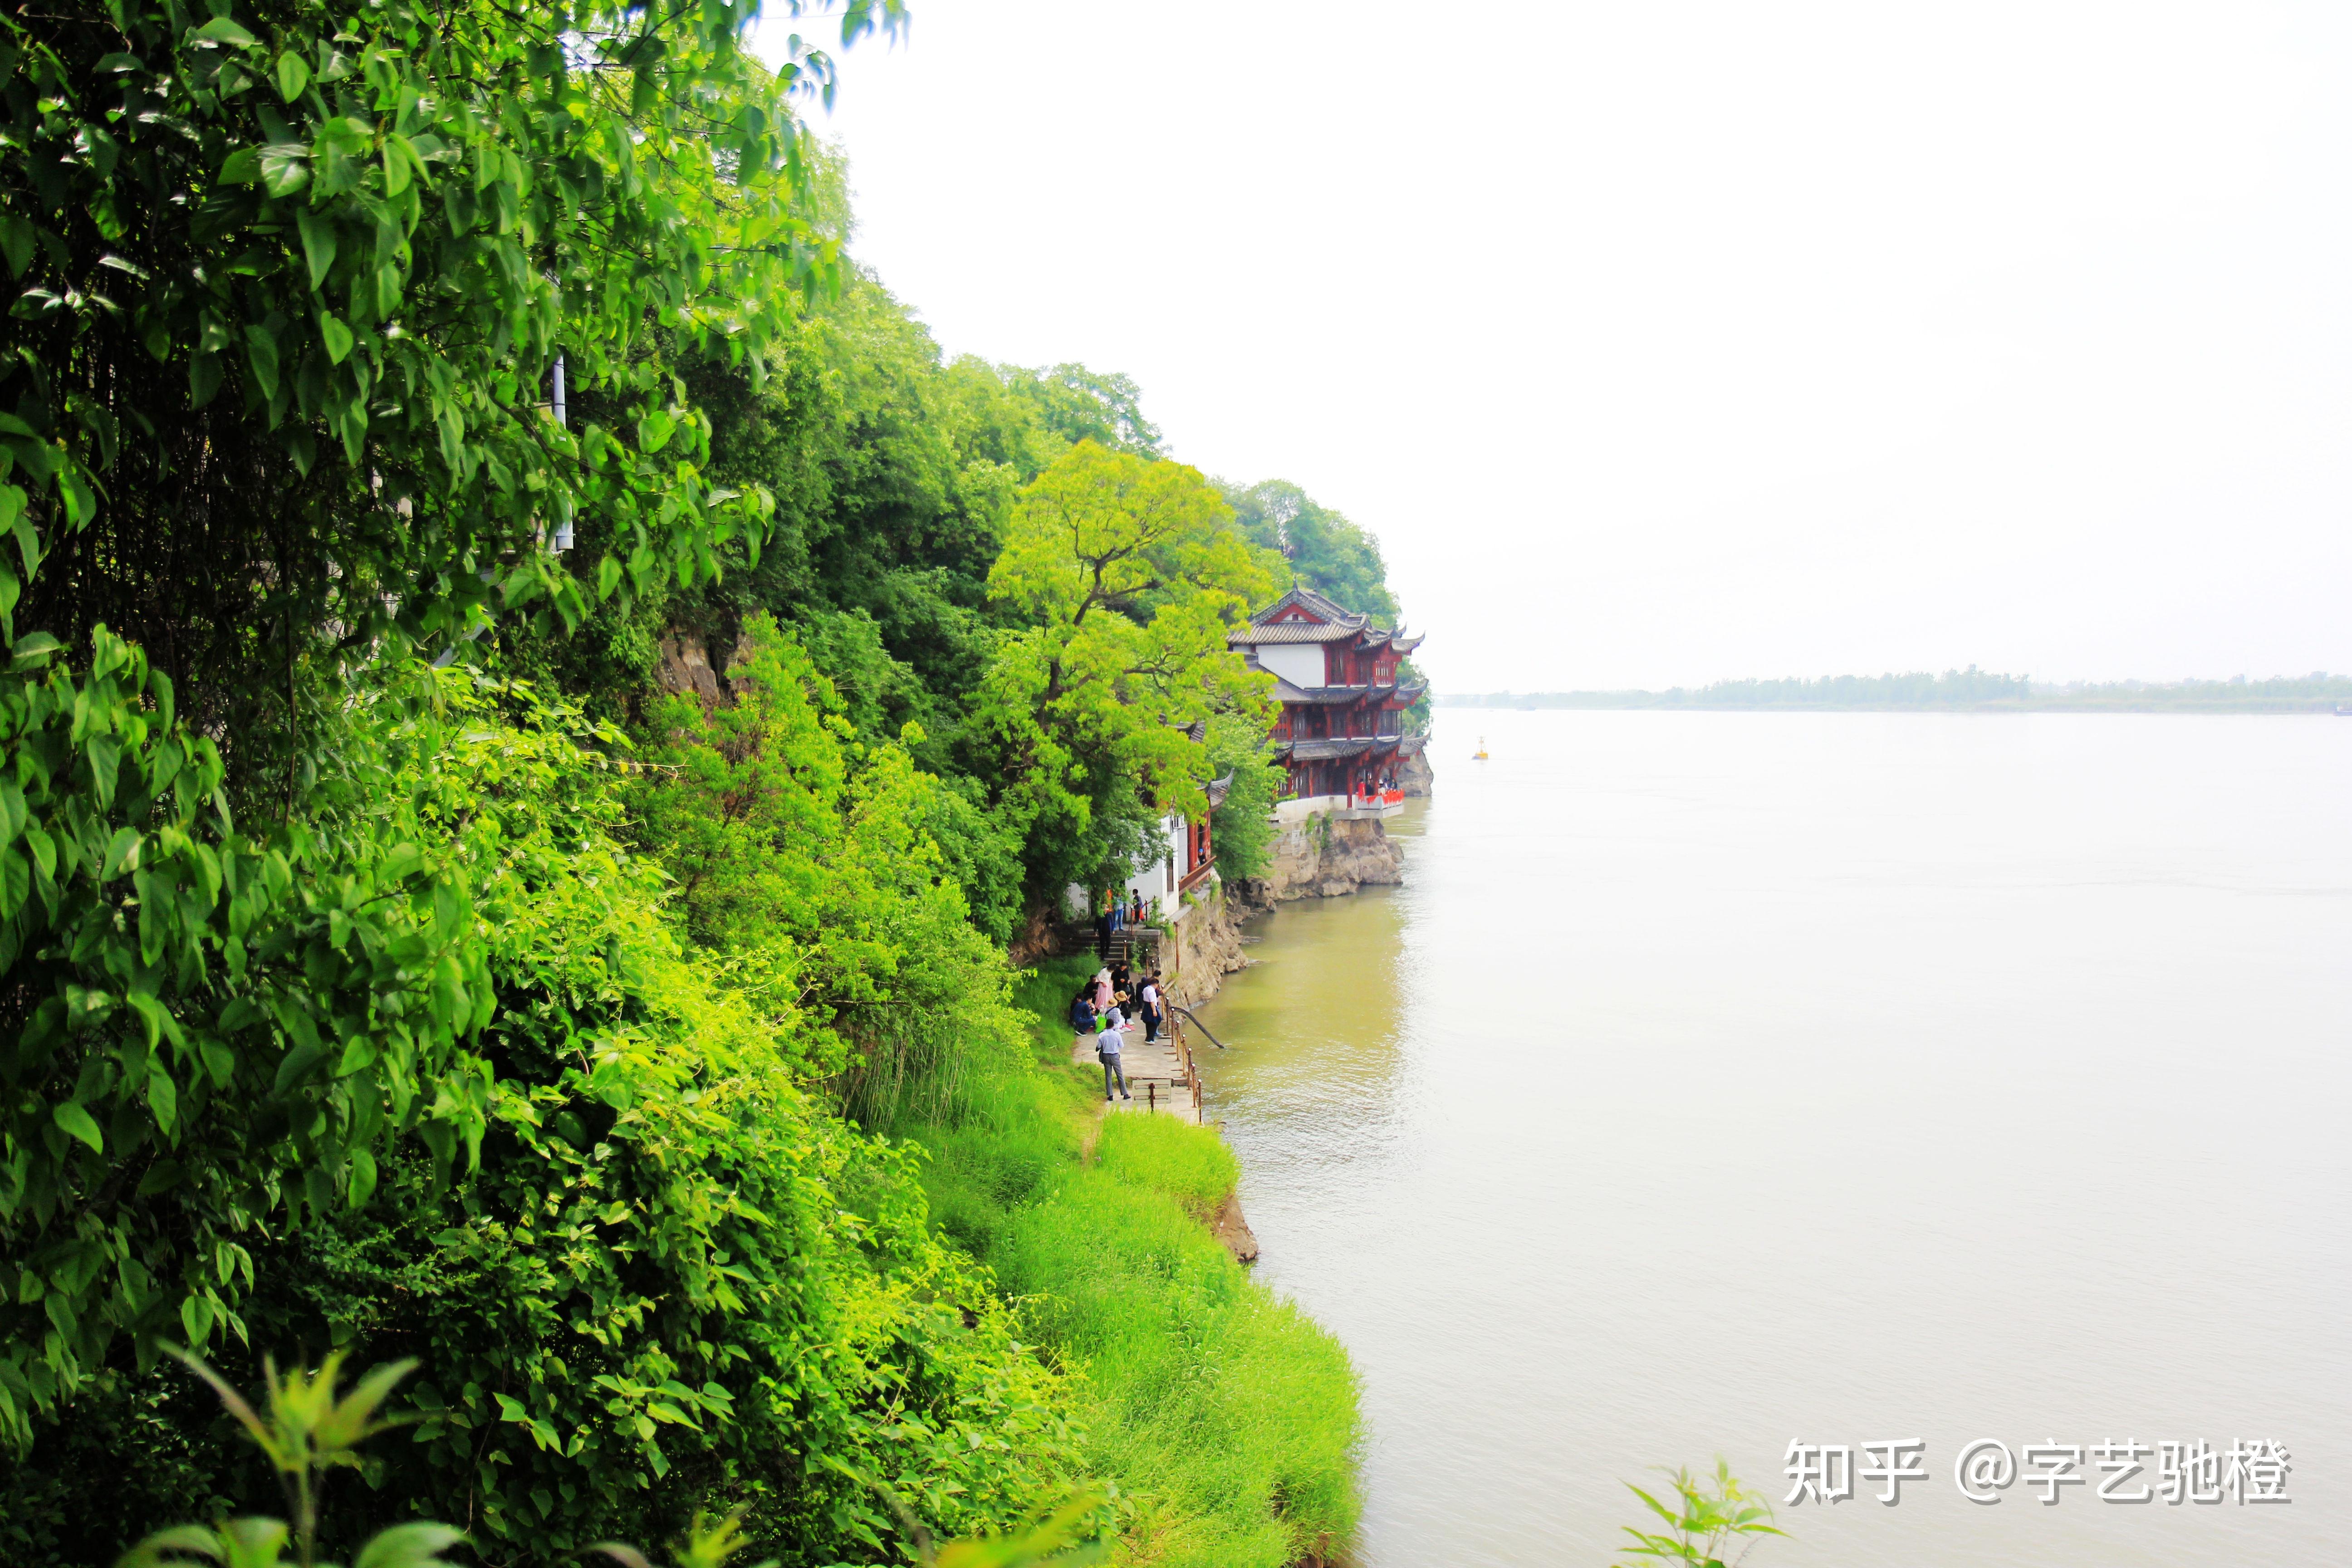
(1243, 819)
(505, 1016)
(1161, 1154)
(1326, 552)
(214, 1032)
(292, 285)
(1129, 576)
(307, 1434)
(1227, 1416)
(675, 1275)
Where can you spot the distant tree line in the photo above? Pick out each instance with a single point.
(2318, 692)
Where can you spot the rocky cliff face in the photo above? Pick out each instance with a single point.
(1321, 857)
(1415, 776)
(1208, 947)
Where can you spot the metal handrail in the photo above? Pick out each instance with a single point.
(1204, 1028)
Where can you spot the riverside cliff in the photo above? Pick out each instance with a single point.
(1326, 855)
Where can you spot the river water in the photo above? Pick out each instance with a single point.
(1722, 1080)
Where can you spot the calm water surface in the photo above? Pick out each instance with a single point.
(1721, 1079)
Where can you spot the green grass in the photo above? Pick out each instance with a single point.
(1161, 1154)
(1227, 1418)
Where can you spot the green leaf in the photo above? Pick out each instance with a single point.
(318, 244)
(105, 758)
(204, 378)
(161, 1178)
(336, 337)
(16, 242)
(285, 168)
(296, 1066)
(161, 1025)
(261, 353)
(75, 1122)
(608, 577)
(32, 650)
(121, 852)
(172, 1548)
(293, 76)
(414, 1545)
(654, 430)
(221, 30)
(163, 1097)
(45, 851)
(196, 1318)
(362, 1177)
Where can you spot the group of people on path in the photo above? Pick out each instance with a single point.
(1105, 1005)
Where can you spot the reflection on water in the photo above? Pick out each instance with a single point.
(1722, 1079)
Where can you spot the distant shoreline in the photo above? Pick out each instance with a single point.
(1968, 691)
(1589, 701)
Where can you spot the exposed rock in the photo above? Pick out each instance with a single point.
(1208, 947)
(1415, 775)
(1250, 896)
(685, 666)
(1233, 1230)
(1038, 938)
(1323, 858)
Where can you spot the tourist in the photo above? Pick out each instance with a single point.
(1122, 983)
(1106, 1046)
(1135, 915)
(1102, 933)
(1082, 1011)
(1102, 990)
(1149, 1002)
(1117, 911)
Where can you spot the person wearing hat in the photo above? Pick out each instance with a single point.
(1107, 1047)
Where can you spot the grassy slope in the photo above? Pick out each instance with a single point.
(1227, 1416)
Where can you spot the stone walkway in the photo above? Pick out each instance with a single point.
(1155, 1074)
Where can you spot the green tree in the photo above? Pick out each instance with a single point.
(1326, 552)
(292, 284)
(815, 856)
(212, 1034)
(1127, 573)
(1244, 826)
(1076, 404)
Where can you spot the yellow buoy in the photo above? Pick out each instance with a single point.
(1482, 749)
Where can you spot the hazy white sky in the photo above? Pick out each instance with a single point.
(1662, 342)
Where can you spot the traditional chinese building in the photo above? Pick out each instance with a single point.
(1341, 732)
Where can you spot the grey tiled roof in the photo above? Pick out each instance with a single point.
(1291, 631)
(1328, 750)
(1339, 625)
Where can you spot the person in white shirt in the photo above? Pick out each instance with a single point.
(1149, 1006)
(1107, 1047)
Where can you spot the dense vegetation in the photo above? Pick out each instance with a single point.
(401, 954)
(1957, 688)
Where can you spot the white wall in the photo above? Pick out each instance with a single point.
(1156, 879)
(1300, 663)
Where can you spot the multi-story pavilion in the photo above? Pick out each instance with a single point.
(1342, 728)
